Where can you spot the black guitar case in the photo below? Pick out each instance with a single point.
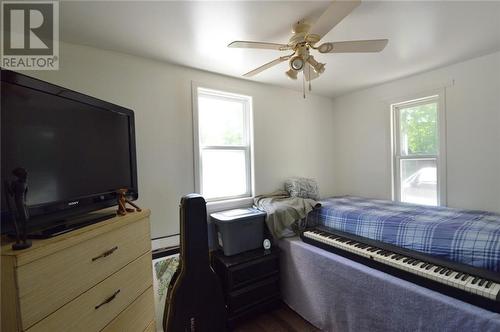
(195, 301)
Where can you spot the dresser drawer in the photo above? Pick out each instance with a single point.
(136, 317)
(251, 295)
(243, 274)
(94, 309)
(48, 283)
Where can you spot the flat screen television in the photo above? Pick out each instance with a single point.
(77, 151)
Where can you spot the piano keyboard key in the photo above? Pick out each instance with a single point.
(441, 274)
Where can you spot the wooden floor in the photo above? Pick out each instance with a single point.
(282, 319)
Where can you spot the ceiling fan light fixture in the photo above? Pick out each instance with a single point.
(291, 74)
(296, 63)
(318, 67)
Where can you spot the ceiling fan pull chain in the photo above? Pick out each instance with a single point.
(309, 75)
(304, 85)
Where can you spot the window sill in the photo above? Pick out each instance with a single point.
(229, 204)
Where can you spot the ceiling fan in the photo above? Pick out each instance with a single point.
(306, 37)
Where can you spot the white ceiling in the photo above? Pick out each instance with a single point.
(422, 36)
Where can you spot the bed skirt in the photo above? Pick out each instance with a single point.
(337, 294)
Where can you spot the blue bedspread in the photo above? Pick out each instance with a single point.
(464, 236)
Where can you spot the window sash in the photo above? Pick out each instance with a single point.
(396, 150)
(397, 123)
(397, 174)
(246, 149)
(225, 96)
(247, 139)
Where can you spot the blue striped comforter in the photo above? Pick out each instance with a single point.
(464, 236)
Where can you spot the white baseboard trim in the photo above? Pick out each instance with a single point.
(165, 242)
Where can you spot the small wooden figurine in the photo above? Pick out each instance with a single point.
(122, 203)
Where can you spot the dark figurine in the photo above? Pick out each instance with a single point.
(122, 203)
(18, 189)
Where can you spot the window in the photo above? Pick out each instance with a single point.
(418, 151)
(223, 144)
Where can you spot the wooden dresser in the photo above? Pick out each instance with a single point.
(97, 278)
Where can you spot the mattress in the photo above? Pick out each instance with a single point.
(338, 294)
(464, 236)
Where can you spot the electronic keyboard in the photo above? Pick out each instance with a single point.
(473, 285)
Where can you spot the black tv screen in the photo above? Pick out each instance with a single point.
(77, 150)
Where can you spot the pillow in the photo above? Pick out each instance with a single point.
(302, 187)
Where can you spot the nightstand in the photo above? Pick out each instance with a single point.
(250, 281)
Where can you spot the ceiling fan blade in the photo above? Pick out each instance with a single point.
(354, 46)
(265, 46)
(309, 73)
(332, 16)
(267, 66)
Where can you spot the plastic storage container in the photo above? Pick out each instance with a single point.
(239, 230)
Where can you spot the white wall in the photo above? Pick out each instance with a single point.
(361, 130)
(292, 135)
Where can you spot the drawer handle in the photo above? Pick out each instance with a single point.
(105, 254)
(109, 299)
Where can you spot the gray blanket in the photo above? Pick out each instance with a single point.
(283, 211)
(337, 294)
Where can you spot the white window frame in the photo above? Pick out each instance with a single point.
(248, 147)
(440, 157)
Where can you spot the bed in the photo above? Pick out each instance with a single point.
(338, 294)
(464, 236)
